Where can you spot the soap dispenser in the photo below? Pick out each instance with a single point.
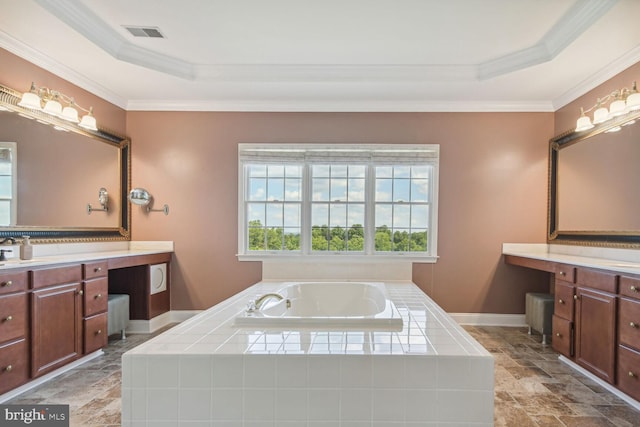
(26, 249)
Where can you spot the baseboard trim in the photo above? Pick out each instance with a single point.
(630, 400)
(43, 379)
(488, 319)
(160, 321)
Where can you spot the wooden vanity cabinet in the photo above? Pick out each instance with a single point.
(563, 316)
(14, 366)
(96, 287)
(56, 317)
(628, 375)
(596, 310)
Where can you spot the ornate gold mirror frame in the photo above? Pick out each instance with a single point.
(604, 238)
(9, 99)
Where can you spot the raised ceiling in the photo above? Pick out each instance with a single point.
(329, 55)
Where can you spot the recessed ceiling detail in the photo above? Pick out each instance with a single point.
(282, 55)
(575, 21)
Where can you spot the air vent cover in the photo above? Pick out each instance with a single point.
(144, 31)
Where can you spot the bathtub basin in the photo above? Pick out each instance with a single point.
(326, 304)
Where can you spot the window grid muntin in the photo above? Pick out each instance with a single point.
(396, 203)
(325, 172)
(425, 155)
(286, 231)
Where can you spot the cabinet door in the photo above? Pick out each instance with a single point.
(629, 371)
(14, 365)
(595, 332)
(95, 296)
(563, 306)
(562, 338)
(95, 332)
(56, 327)
(13, 317)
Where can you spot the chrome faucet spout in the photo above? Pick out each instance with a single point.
(258, 303)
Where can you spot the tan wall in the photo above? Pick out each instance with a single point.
(492, 189)
(493, 178)
(565, 117)
(18, 75)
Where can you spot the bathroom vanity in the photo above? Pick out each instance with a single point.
(596, 322)
(53, 309)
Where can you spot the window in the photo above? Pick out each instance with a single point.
(8, 183)
(347, 200)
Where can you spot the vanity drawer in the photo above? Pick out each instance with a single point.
(92, 270)
(14, 369)
(562, 336)
(56, 276)
(630, 286)
(596, 279)
(565, 272)
(563, 304)
(13, 316)
(629, 324)
(629, 371)
(95, 296)
(13, 282)
(95, 333)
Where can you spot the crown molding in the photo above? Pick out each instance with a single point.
(338, 106)
(582, 15)
(612, 69)
(87, 23)
(55, 67)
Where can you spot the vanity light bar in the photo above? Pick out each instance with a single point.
(623, 101)
(53, 100)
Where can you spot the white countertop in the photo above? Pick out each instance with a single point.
(427, 330)
(48, 254)
(613, 259)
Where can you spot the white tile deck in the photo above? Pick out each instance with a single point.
(207, 370)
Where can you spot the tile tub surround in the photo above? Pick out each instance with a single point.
(207, 370)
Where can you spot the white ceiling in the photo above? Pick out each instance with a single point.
(329, 55)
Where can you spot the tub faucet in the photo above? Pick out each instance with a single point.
(257, 304)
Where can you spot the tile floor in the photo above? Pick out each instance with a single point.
(532, 388)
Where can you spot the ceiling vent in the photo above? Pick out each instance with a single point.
(153, 32)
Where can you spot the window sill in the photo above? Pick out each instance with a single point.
(339, 258)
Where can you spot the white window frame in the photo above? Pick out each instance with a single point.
(13, 200)
(371, 154)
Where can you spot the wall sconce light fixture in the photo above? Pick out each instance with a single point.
(51, 102)
(103, 198)
(623, 101)
(141, 197)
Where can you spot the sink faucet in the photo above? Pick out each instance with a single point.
(257, 304)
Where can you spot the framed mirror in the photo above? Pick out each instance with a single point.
(594, 185)
(51, 170)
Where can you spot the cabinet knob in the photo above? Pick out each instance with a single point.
(631, 374)
(7, 283)
(98, 296)
(99, 331)
(560, 301)
(8, 318)
(633, 289)
(80, 292)
(575, 297)
(558, 334)
(97, 269)
(9, 368)
(633, 325)
(562, 273)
